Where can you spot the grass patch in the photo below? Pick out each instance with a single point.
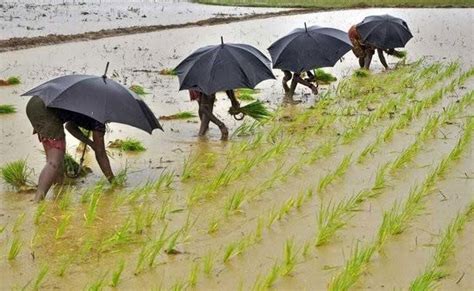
(138, 90)
(168, 72)
(361, 73)
(179, 115)
(7, 108)
(128, 145)
(13, 80)
(17, 174)
(323, 77)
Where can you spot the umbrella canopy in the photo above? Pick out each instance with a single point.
(307, 48)
(384, 31)
(222, 67)
(97, 97)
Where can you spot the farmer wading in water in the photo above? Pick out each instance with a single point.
(206, 107)
(295, 79)
(48, 124)
(365, 51)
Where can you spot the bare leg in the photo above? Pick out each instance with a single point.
(306, 83)
(286, 78)
(382, 58)
(361, 62)
(50, 172)
(368, 59)
(208, 107)
(101, 155)
(204, 119)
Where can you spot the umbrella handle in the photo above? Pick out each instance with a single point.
(81, 161)
(106, 69)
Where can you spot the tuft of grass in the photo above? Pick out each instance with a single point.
(65, 222)
(137, 89)
(361, 73)
(289, 261)
(168, 72)
(17, 174)
(40, 277)
(323, 77)
(13, 80)
(7, 109)
(179, 115)
(117, 273)
(128, 145)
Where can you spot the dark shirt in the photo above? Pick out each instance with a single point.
(80, 119)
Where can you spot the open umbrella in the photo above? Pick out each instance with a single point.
(97, 97)
(307, 48)
(384, 31)
(222, 67)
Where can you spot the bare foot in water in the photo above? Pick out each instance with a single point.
(224, 132)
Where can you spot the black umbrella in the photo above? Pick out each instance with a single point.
(97, 97)
(307, 48)
(222, 67)
(384, 31)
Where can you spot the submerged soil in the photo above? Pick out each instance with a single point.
(85, 254)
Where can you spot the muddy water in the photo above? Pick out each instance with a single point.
(38, 18)
(446, 39)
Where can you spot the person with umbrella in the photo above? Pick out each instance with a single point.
(383, 33)
(222, 67)
(305, 49)
(48, 124)
(81, 101)
(205, 112)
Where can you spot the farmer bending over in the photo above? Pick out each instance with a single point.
(365, 51)
(206, 107)
(48, 124)
(295, 79)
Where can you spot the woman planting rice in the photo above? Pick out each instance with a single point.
(295, 79)
(48, 124)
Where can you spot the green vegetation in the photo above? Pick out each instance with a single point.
(323, 77)
(17, 174)
(361, 73)
(327, 4)
(15, 248)
(13, 80)
(168, 71)
(7, 109)
(129, 145)
(179, 115)
(255, 110)
(137, 89)
(72, 167)
(245, 94)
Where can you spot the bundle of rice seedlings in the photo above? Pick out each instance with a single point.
(72, 168)
(168, 72)
(322, 77)
(179, 115)
(138, 89)
(10, 81)
(400, 54)
(17, 174)
(7, 108)
(361, 73)
(245, 94)
(128, 145)
(255, 110)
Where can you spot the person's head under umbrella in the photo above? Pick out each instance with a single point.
(48, 124)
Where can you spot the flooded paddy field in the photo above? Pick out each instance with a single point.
(353, 189)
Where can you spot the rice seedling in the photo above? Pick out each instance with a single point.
(142, 256)
(178, 286)
(245, 94)
(137, 89)
(234, 202)
(179, 115)
(324, 77)
(289, 261)
(352, 269)
(128, 145)
(256, 110)
(121, 235)
(15, 248)
(63, 224)
(65, 264)
(117, 273)
(247, 128)
(338, 172)
(72, 167)
(120, 178)
(40, 277)
(17, 174)
(306, 250)
(157, 246)
(98, 284)
(2, 228)
(172, 242)
(91, 212)
(361, 73)
(93, 190)
(165, 208)
(380, 177)
(426, 281)
(259, 229)
(168, 72)
(64, 197)
(18, 222)
(208, 263)
(229, 252)
(213, 225)
(272, 276)
(7, 109)
(164, 181)
(193, 275)
(286, 208)
(13, 80)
